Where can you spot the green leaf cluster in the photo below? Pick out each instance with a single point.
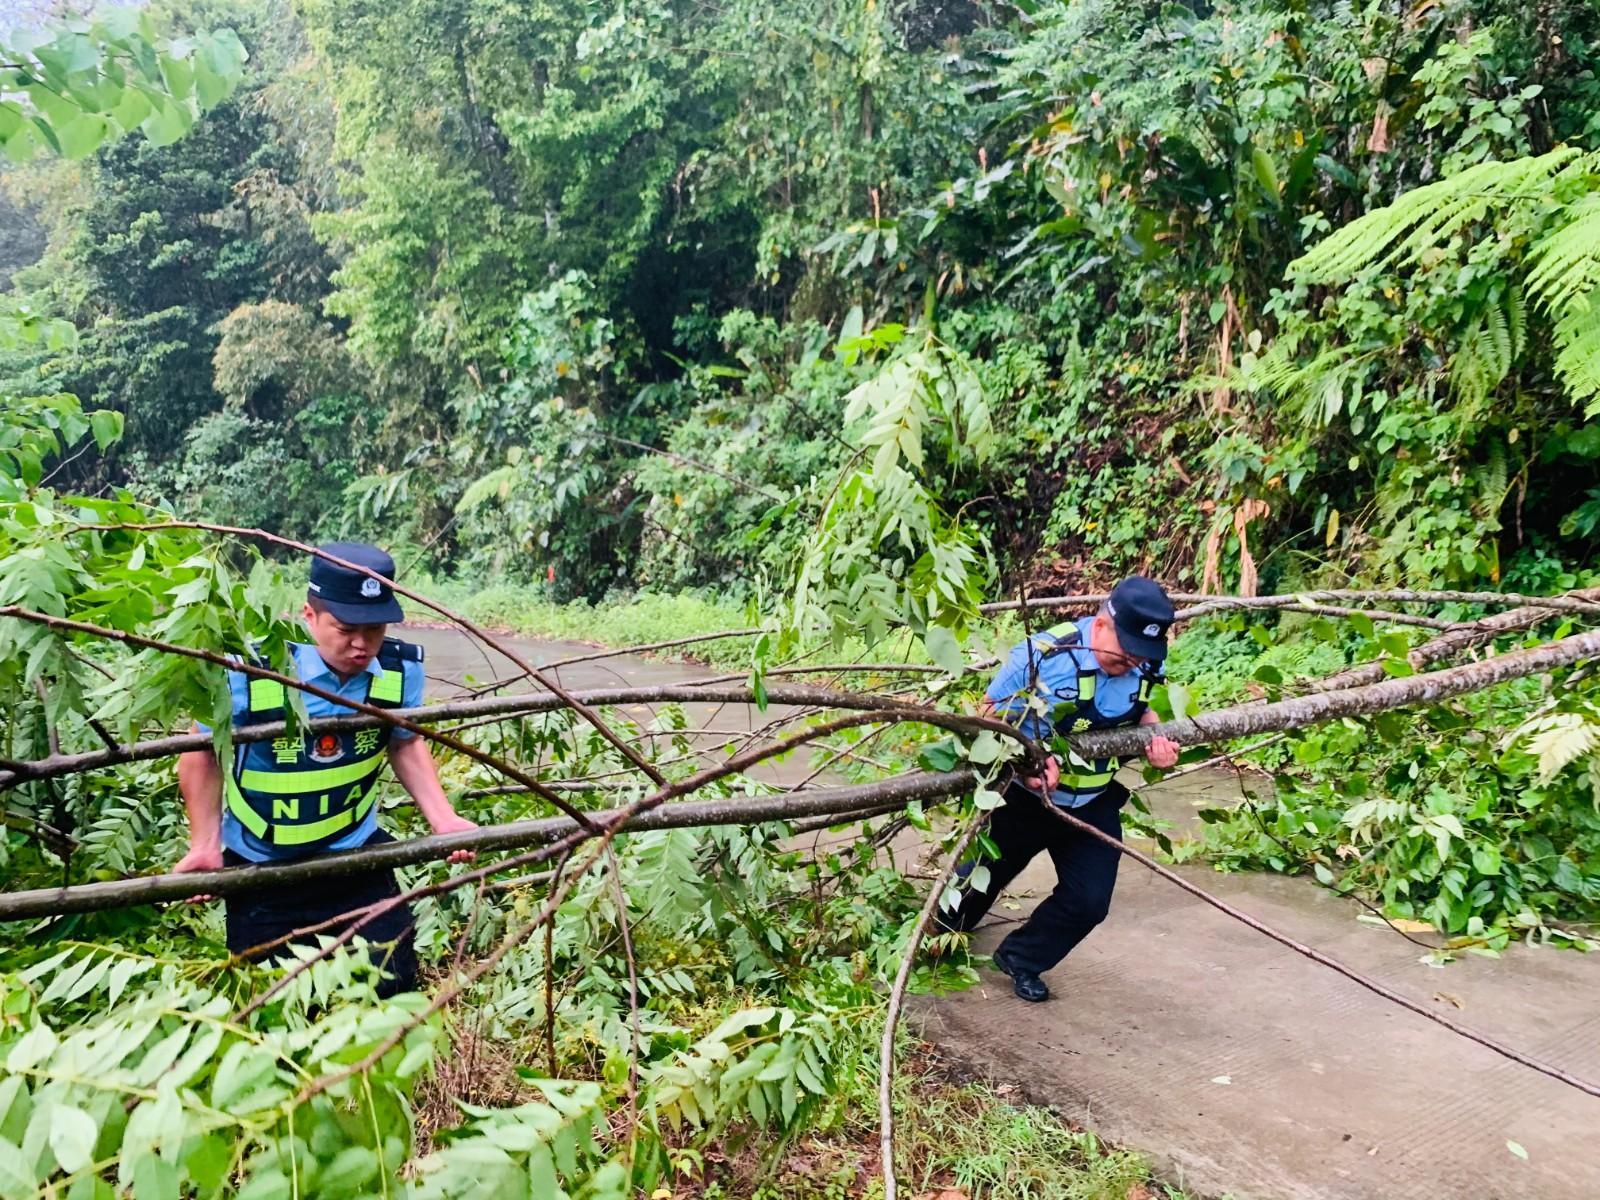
(70, 90)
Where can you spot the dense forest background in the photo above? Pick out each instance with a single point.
(574, 294)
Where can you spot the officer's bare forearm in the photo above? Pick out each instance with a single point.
(200, 782)
(1149, 717)
(415, 769)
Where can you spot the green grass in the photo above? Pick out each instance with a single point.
(950, 1135)
(641, 620)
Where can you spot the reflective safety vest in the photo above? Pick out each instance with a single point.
(306, 791)
(1076, 711)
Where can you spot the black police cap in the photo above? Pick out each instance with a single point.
(1142, 615)
(355, 597)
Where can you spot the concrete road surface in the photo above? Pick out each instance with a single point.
(1244, 1069)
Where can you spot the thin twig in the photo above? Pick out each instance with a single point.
(624, 927)
(618, 652)
(1227, 756)
(549, 979)
(897, 994)
(743, 484)
(51, 736)
(62, 844)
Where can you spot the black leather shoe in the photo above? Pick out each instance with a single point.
(1025, 983)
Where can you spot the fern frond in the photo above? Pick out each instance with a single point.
(1316, 389)
(1421, 219)
(1497, 332)
(1472, 375)
(1565, 262)
(1516, 319)
(1560, 191)
(1577, 338)
(1492, 482)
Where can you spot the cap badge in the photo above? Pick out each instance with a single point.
(371, 587)
(1152, 630)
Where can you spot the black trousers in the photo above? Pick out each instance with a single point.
(257, 917)
(1086, 874)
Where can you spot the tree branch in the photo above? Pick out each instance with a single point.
(1201, 604)
(122, 893)
(518, 705)
(383, 716)
(1448, 645)
(587, 713)
(1245, 719)
(897, 995)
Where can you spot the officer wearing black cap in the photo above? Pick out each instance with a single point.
(317, 793)
(1093, 673)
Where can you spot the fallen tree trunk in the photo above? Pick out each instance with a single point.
(525, 704)
(842, 803)
(1448, 645)
(1246, 719)
(1223, 725)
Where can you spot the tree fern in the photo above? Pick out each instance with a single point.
(1556, 195)
(1493, 481)
(1317, 389)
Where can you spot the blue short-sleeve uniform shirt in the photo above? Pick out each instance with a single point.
(310, 667)
(1057, 682)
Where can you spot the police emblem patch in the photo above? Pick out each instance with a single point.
(326, 748)
(371, 587)
(1152, 630)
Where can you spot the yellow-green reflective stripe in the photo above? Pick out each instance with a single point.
(240, 808)
(265, 694)
(1086, 684)
(1146, 686)
(389, 686)
(301, 783)
(299, 835)
(1081, 782)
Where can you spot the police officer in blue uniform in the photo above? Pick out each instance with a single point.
(1093, 673)
(317, 793)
